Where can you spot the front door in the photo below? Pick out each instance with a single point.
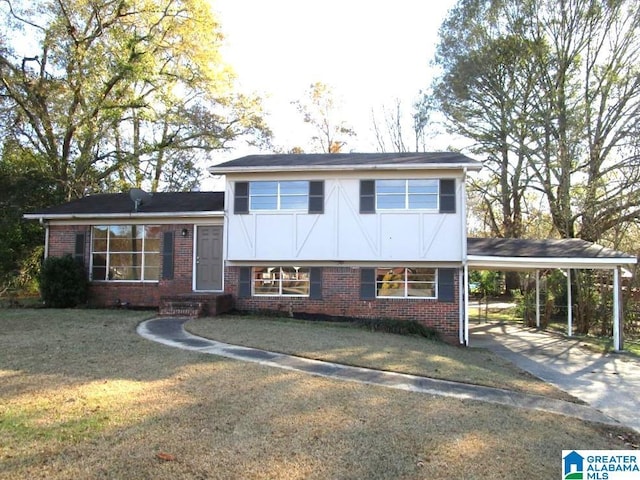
(209, 258)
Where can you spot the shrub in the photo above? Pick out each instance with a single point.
(402, 327)
(63, 282)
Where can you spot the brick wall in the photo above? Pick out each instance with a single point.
(341, 298)
(62, 240)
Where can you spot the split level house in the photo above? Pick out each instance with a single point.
(331, 235)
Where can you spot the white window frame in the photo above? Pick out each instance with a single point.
(407, 194)
(267, 279)
(279, 195)
(143, 253)
(406, 283)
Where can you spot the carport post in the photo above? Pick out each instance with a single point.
(537, 298)
(569, 302)
(466, 304)
(617, 334)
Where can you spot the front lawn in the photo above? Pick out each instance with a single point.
(344, 343)
(83, 396)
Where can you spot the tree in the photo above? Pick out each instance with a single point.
(486, 92)
(119, 90)
(549, 92)
(320, 109)
(23, 186)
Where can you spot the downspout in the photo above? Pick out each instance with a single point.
(464, 296)
(46, 237)
(617, 307)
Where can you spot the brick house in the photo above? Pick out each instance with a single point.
(357, 235)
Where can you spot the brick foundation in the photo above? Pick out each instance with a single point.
(341, 298)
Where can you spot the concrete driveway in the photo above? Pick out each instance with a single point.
(609, 382)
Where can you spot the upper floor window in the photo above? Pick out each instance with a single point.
(427, 195)
(273, 196)
(126, 252)
(407, 194)
(285, 195)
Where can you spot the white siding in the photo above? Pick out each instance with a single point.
(342, 233)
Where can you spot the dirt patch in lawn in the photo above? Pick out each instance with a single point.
(82, 396)
(347, 344)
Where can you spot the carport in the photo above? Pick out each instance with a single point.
(507, 254)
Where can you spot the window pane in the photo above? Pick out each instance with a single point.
(391, 201)
(294, 188)
(390, 282)
(421, 290)
(296, 202)
(99, 267)
(295, 281)
(151, 266)
(417, 201)
(99, 239)
(152, 231)
(391, 186)
(121, 239)
(152, 245)
(421, 282)
(423, 186)
(266, 281)
(421, 275)
(125, 266)
(263, 188)
(264, 203)
(152, 238)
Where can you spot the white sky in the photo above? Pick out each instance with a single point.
(370, 52)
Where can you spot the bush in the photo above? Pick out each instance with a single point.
(63, 282)
(402, 327)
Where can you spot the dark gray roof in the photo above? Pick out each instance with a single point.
(551, 248)
(121, 203)
(340, 160)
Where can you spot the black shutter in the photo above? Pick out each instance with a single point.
(241, 198)
(316, 197)
(167, 256)
(315, 283)
(367, 196)
(78, 253)
(367, 283)
(447, 195)
(244, 285)
(446, 285)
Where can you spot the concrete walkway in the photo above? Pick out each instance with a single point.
(170, 331)
(609, 382)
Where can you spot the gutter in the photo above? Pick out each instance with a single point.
(90, 216)
(341, 168)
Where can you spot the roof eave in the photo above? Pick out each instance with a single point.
(87, 216)
(530, 263)
(336, 168)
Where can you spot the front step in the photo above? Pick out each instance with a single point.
(195, 305)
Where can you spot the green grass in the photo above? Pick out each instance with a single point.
(83, 396)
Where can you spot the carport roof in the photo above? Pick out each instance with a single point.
(524, 254)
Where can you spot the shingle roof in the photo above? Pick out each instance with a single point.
(345, 160)
(121, 203)
(551, 248)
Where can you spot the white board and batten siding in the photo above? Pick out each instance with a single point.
(342, 233)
